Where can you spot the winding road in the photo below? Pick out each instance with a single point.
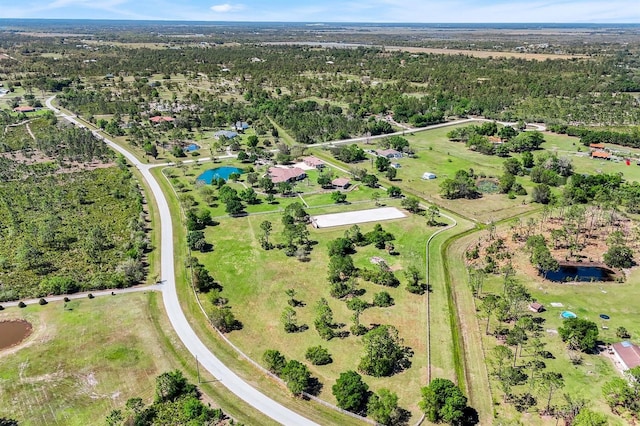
(192, 342)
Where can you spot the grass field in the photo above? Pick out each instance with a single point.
(82, 361)
(255, 281)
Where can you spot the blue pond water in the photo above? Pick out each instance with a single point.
(218, 172)
(192, 147)
(580, 273)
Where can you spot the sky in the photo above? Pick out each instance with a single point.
(426, 11)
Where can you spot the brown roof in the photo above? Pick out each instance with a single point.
(159, 118)
(341, 182)
(600, 154)
(495, 139)
(597, 145)
(313, 161)
(628, 353)
(536, 307)
(281, 174)
(24, 109)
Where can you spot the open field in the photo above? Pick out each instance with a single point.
(255, 281)
(83, 359)
(485, 53)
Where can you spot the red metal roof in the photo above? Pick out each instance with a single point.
(628, 353)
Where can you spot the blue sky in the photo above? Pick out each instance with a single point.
(582, 11)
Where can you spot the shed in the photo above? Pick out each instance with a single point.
(536, 307)
(428, 175)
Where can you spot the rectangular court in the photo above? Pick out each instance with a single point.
(360, 216)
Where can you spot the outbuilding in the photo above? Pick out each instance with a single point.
(428, 175)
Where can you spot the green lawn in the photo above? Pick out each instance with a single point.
(255, 281)
(83, 361)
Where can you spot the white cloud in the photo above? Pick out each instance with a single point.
(226, 8)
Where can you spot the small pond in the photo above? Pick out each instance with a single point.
(219, 172)
(580, 273)
(13, 332)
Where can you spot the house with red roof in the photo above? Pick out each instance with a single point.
(25, 108)
(314, 162)
(286, 174)
(161, 119)
(342, 183)
(603, 155)
(627, 354)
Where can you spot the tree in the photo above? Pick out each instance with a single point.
(461, 186)
(412, 204)
(433, 214)
(392, 172)
(358, 306)
(274, 360)
(542, 194)
(173, 385)
(317, 355)
(222, 318)
(324, 320)
(338, 197)
(527, 159)
(488, 306)
(619, 256)
(622, 333)
(579, 334)
(340, 247)
(394, 192)
(382, 163)
(414, 280)
(587, 417)
(234, 207)
(551, 381)
(384, 352)
(383, 407)
(249, 196)
(296, 375)
(382, 299)
(351, 392)
(252, 178)
(289, 320)
(443, 401)
(266, 228)
(619, 394)
(196, 241)
(324, 180)
(341, 268)
(370, 180)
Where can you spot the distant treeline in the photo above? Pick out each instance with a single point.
(589, 136)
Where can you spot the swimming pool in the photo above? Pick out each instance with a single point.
(568, 314)
(192, 147)
(219, 172)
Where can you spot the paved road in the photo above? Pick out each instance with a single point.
(178, 320)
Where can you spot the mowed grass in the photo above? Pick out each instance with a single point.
(588, 301)
(82, 362)
(255, 281)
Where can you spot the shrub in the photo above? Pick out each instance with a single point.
(42, 301)
(66, 299)
(90, 296)
(317, 355)
(382, 299)
(275, 361)
(1, 308)
(22, 305)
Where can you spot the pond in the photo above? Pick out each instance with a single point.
(580, 273)
(13, 332)
(219, 172)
